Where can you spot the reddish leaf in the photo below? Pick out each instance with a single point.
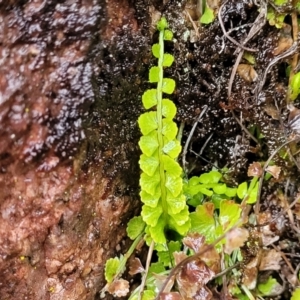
(119, 288)
(274, 171)
(135, 266)
(270, 260)
(160, 280)
(192, 277)
(179, 256)
(194, 241)
(235, 239)
(255, 169)
(170, 296)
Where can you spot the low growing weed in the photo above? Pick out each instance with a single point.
(194, 225)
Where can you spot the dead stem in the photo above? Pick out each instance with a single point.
(273, 62)
(226, 33)
(149, 257)
(184, 152)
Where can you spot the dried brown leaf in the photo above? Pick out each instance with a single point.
(194, 241)
(255, 169)
(270, 260)
(160, 280)
(119, 288)
(211, 257)
(235, 239)
(247, 72)
(272, 111)
(192, 278)
(274, 171)
(250, 277)
(179, 256)
(135, 266)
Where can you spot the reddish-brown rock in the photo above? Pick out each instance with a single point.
(68, 155)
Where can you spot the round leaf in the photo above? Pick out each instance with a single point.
(149, 98)
(168, 85)
(168, 109)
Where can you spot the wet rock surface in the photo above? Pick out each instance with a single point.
(61, 201)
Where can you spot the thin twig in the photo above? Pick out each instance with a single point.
(273, 62)
(184, 152)
(226, 33)
(149, 257)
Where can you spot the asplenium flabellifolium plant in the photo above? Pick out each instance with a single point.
(161, 179)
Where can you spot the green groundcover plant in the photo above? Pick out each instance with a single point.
(179, 212)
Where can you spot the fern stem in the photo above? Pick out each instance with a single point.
(159, 121)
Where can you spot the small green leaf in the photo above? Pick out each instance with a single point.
(175, 204)
(242, 190)
(208, 16)
(149, 183)
(150, 200)
(149, 143)
(280, 2)
(216, 199)
(275, 18)
(182, 217)
(249, 57)
(168, 59)
(166, 257)
(203, 222)
(193, 181)
(151, 215)
(171, 166)
(295, 86)
(135, 227)
(196, 189)
(253, 194)
(169, 129)
(205, 191)
(211, 177)
(156, 50)
(168, 85)
(158, 232)
(269, 287)
(148, 122)
(230, 213)
(154, 74)
(296, 294)
(168, 109)
(172, 148)
(149, 98)
(162, 24)
(184, 226)
(168, 35)
(111, 267)
(230, 192)
(220, 189)
(174, 184)
(148, 164)
(156, 268)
